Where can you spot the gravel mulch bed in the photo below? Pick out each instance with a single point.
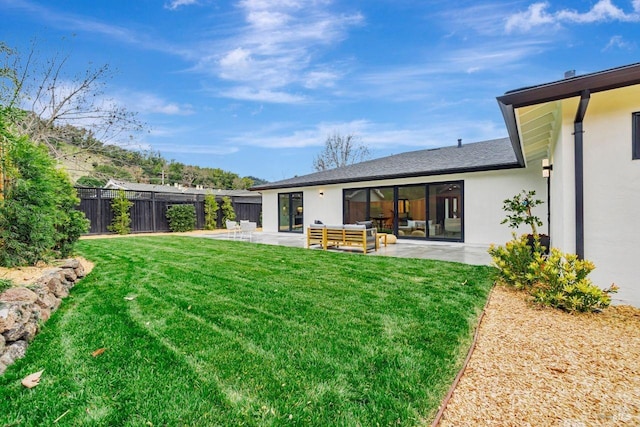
(543, 367)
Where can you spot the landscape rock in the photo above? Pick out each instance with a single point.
(19, 295)
(23, 309)
(59, 290)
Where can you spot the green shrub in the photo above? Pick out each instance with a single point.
(5, 284)
(38, 220)
(182, 217)
(210, 212)
(228, 214)
(561, 282)
(90, 181)
(514, 261)
(121, 206)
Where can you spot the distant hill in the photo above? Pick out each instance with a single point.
(92, 163)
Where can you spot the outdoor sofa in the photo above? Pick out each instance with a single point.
(362, 235)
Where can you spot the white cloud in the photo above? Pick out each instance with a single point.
(245, 93)
(380, 136)
(150, 103)
(537, 15)
(277, 49)
(175, 4)
(618, 42)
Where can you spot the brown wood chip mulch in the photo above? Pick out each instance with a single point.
(544, 367)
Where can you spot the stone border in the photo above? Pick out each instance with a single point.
(23, 309)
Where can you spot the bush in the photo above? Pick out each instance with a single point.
(228, 214)
(210, 212)
(120, 206)
(38, 220)
(561, 282)
(181, 217)
(514, 261)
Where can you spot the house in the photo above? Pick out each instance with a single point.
(240, 196)
(585, 128)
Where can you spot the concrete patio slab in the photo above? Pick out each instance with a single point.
(405, 248)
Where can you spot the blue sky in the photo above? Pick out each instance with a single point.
(256, 86)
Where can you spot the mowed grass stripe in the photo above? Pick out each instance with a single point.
(233, 333)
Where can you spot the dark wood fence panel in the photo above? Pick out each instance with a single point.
(149, 209)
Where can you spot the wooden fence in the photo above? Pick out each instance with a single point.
(148, 213)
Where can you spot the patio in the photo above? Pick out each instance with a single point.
(442, 251)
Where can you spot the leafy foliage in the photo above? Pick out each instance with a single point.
(519, 212)
(38, 219)
(514, 261)
(5, 284)
(558, 280)
(89, 181)
(228, 214)
(210, 212)
(121, 207)
(561, 281)
(181, 217)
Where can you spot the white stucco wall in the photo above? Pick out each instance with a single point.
(484, 193)
(611, 192)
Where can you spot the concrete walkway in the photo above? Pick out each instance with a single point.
(405, 248)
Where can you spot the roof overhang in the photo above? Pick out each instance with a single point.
(532, 115)
(384, 177)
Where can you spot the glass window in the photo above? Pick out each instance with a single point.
(427, 211)
(445, 210)
(382, 209)
(412, 211)
(355, 205)
(291, 215)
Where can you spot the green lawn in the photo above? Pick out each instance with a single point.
(234, 333)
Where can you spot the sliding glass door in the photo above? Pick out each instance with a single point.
(290, 210)
(445, 210)
(420, 211)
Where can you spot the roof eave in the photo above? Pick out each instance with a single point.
(615, 78)
(391, 176)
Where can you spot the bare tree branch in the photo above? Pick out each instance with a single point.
(56, 103)
(340, 151)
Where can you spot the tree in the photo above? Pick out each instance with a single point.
(228, 214)
(54, 100)
(210, 212)
(340, 151)
(121, 207)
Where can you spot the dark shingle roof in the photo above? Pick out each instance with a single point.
(479, 156)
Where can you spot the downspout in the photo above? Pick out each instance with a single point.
(579, 170)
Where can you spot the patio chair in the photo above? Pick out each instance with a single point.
(246, 229)
(232, 227)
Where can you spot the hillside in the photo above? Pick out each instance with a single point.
(92, 163)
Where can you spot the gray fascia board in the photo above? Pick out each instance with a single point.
(615, 78)
(509, 115)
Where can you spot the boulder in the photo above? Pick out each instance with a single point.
(19, 295)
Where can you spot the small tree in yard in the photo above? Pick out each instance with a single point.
(228, 214)
(210, 212)
(121, 206)
(519, 211)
